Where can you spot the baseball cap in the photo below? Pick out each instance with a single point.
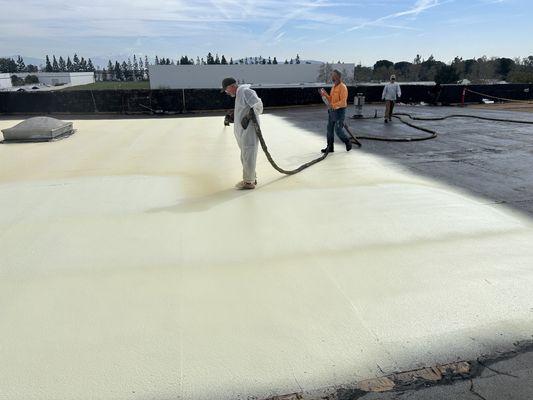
(227, 82)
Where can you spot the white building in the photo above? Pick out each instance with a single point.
(5, 81)
(51, 78)
(210, 76)
(62, 78)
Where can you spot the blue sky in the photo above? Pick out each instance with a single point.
(352, 31)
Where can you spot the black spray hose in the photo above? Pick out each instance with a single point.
(514, 121)
(259, 134)
(431, 133)
(354, 139)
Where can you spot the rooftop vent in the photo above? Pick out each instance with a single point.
(38, 129)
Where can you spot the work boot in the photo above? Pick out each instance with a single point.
(348, 145)
(243, 185)
(386, 120)
(328, 149)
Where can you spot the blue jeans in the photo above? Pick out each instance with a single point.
(336, 124)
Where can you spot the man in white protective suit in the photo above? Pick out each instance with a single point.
(391, 93)
(246, 99)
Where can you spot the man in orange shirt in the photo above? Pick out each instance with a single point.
(337, 101)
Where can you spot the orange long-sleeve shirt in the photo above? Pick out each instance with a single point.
(338, 97)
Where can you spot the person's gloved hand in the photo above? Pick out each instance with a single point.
(245, 121)
(228, 118)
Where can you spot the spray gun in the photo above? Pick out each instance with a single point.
(324, 98)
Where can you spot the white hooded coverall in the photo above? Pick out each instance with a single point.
(391, 92)
(247, 99)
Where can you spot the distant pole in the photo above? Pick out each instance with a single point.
(463, 97)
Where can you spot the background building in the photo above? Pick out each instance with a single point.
(210, 76)
(60, 79)
(5, 81)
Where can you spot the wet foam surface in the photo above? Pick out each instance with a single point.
(130, 268)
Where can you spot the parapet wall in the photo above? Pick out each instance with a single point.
(178, 100)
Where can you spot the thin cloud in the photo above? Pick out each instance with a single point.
(419, 6)
(278, 27)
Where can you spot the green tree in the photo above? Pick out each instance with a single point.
(383, 63)
(402, 69)
(217, 60)
(446, 74)
(135, 68)
(70, 67)
(62, 64)
(75, 63)
(131, 72)
(521, 76)
(484, 70)
(429, 68)
(274, 61)
(118, 72)
(111, 70)
(210, 60)
(362, 74)
(32, 68)
(469, 66)
(83, 65)
(21, 66)
(504, 67)
(7, 65)
(141, 69)
(55, 65)
(297, 59)
(90, 66)
(125, 71)
(31, 80)
(48, 65)
(459, 65)
(223, 60)
(15, 80)
(383, 69)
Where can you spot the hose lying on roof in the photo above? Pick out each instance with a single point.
(353, 139)
(415, 118)
(252, 117)
(432, 133)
